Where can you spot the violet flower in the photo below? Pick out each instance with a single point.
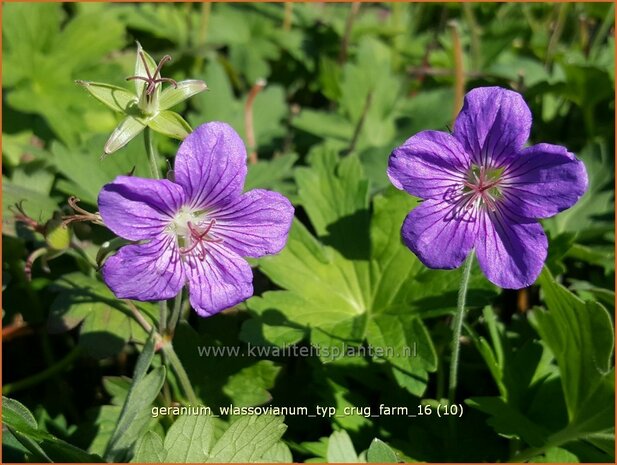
(482, 190)
(196, 229)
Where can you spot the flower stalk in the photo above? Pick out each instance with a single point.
(183, 378)
(248, 120)
(175, 314)
(457, 326)
(459, 72)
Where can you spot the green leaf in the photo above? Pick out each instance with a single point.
(44, 446)
(80, 44)
(150, 448)
(37, 205)
(117, 387)
(161, 21)
(275, 174)
(38, 83)
(279, 453)
(17, 415)
(580, 335)
(249, 386)
(331, 189)
(107, 324)
(408, 348)
(86, 173)
(595, 208)
(324, 125)
(380, 452)
(509, 421)
(34, 175)
(170, 124)
(135, 415)
(28, 28)
(190, 439)
(126, 131)
(15, 146)
(248, 439)
(185, 89)
(369, 87)
(341, 449)
(269, 107)
(357, 281)
(116, 98)
(557, 455)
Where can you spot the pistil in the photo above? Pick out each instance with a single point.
(151, 79)
(198, 239)
(479, 192)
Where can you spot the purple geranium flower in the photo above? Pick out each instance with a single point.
(482, 190)
(196, 229)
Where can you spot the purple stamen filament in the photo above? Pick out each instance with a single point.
(198, 240)
(152, 79)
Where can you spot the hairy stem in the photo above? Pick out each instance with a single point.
(162, 316)
(176, 364)
(457, 326)
(175, 314)
(139, 317)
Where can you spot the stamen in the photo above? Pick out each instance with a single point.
(199, 240)
(477, 189)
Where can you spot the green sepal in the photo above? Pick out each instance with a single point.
(116, 98)
(123, 134)
(185, 89)
(170, 124)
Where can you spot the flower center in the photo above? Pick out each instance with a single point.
(193, 231)
(481, 188)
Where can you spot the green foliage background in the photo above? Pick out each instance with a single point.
(345, 85)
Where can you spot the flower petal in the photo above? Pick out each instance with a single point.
(543, 181)
(255, 224)
(437, 233)
(137, 208)
(428, 165)
(493, 125)
(222, 280)
(211, 165)
(511, 250)
(151, 271)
